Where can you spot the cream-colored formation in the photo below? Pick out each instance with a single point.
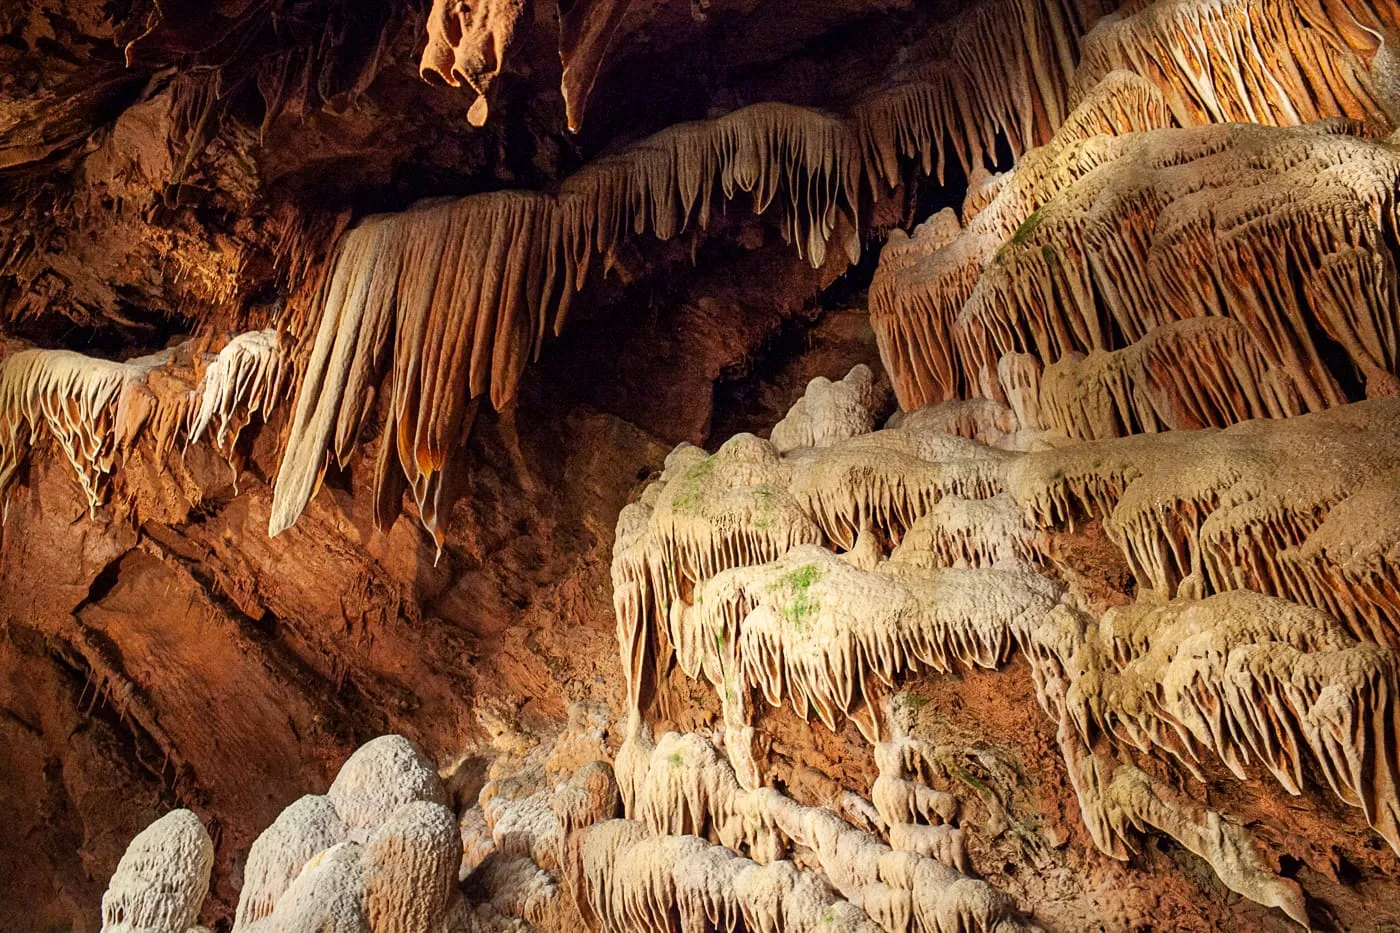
(829, 412)
(924, 280)
(455, 313)
(909, 552)
(1274, 62)
(162, 879)
(379, 852)
(668, 832)
(1155, 324)
(97, 410)
(246, 378)
(1104, 241)
(1157, 231)
(1302, 508)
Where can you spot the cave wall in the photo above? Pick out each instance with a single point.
(171, 173)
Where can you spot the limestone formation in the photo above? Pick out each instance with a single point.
(924, 281)
(161, 881)
(378, 852)
(1257, 506)
(468, 44)
(247, 377)
(1097, 631)
(95, 409)
(1206, 55)
(829, 411)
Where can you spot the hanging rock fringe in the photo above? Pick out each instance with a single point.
(1273, 62)
(1260, 506)
(1196, 373)
(923, 281)
(95, 409)
(247, 377)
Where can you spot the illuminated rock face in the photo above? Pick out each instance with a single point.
(1097, 631)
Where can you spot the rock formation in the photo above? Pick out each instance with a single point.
(1025, 553)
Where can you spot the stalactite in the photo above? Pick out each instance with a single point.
(1251, 678)
(1183, 223)
(831, 638)
(803, 160)
(461, 313)
(987, 80)
(1197, 373)
(1208, 55)
(463, 290)
(923, 282)
(95, 409)
(1239, 509)
(247, 377)
(468, 44)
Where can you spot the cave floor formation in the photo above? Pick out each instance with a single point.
(915, 467)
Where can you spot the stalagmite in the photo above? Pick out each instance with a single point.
(382, 775)
(160, 883)
(409, 868)
(829, 411)
(325, 897)
(308, 827)
(379, 852)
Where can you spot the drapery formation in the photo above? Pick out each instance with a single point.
(924, 280)
(1266, 644)
(1162, 229)
(1273, 62)
(993, 81)
(1092, 242)
(513, 260)
(1266, 506)
(817, 169)
(97, 410)
(459, 294)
